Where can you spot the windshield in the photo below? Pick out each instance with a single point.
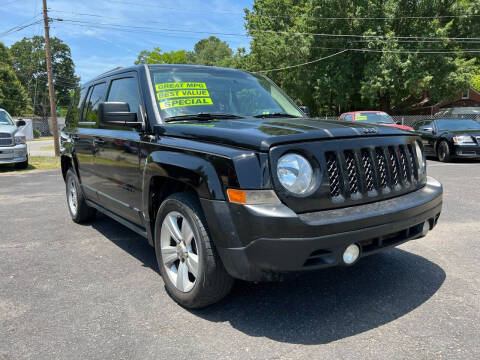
(183, 91)
(5, 118)
(457, 124)
(375, 118)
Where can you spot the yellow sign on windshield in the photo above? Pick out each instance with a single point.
(185, 102)
(180, 85)
(360, 117)
(181, 94)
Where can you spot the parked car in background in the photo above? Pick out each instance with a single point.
(450, 138)
(373, 117)
(13, 144)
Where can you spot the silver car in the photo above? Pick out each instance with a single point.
(13, 144)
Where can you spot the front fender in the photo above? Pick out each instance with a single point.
(195, 171)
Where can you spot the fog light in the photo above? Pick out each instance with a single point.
(19, 153)
(351, 254)
(426, 228)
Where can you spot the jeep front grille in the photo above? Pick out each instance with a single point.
(333, 174)
(356, 172)
(6, 139)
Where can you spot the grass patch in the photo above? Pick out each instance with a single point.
(46, 148)
(34, 163)
(42, 138)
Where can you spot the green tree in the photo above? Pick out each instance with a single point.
(13, 97)
(211, 51)
(383, 77)
(30, 67)
(157, 56)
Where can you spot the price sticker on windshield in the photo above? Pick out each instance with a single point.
(181, 94)
(360, 117)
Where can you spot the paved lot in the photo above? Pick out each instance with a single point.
(93, 291)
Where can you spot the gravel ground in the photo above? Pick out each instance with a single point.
(93, 291)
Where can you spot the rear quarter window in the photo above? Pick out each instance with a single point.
(91, 107)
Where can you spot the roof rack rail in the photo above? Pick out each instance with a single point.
(109, 71)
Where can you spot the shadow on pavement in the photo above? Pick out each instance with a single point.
(313, 308)
(126, 239)
(456, 160)
(331, 304)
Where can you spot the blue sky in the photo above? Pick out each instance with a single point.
(97, 47)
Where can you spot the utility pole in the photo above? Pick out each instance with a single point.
(51, 90)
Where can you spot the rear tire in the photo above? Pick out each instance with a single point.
(77, 206)
(192, 271)
(443, 151)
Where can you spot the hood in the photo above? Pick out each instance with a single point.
(261, 134)
(9, 129)
(461, 132)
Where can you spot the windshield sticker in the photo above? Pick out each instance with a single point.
(360, 117)
(181, 94)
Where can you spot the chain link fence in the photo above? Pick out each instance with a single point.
(410, 120)
(43, 125)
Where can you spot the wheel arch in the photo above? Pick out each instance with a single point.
(68, 162)
(163, 176)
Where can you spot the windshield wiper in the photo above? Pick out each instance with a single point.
(203, 117)
(275, 114)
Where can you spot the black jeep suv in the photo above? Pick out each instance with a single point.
(227, 178)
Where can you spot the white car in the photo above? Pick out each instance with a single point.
(13, 143)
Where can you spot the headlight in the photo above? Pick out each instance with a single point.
(20, 140)
(463, 139)
(295, 173)
(420, 158)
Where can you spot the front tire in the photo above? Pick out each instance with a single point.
(77, 206)
(443, 152)
(192, 271)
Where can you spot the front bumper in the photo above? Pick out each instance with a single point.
(13, 154)
(467, 151)
(258, 242)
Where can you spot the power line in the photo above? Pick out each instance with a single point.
(18, 28)
(303, 64)
(372, 37)
(209, 11)
(405, 51)
(136, 29)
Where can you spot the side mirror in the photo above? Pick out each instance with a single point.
(21, 123)
(426, 130)
(117, 114)
(305, 110)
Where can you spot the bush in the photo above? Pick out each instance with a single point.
(36, 133)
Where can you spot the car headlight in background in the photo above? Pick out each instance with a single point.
(420, 157)
(463, 139)
(295, 173)
(20, 139)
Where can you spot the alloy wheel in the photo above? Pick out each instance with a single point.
(179, 251)
(72, 196)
